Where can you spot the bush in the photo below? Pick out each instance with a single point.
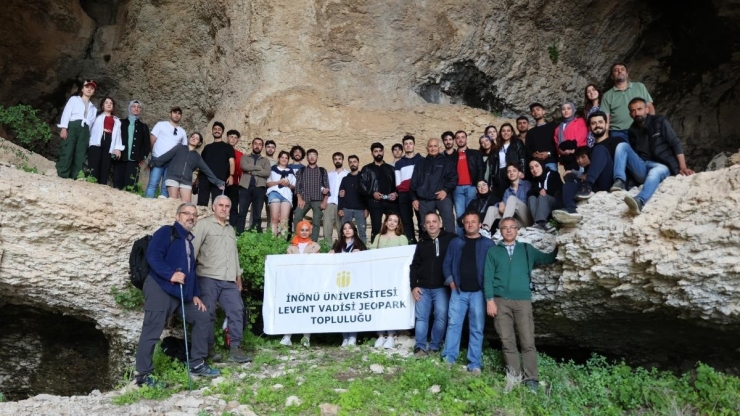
(24, 123)
(129, 298)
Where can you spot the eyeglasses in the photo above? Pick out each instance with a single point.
(511, 227)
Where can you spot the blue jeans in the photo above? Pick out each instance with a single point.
(474, 305)
(622, 134)
(156, 175)
(462, 197)
(439, 299)
(552, 166)
(646, 172)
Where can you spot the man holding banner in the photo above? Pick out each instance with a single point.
(464, 266)
(427, 284)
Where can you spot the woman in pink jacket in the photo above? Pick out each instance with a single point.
(570, 134)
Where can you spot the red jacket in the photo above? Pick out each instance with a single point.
(237, 166)
(576, 130)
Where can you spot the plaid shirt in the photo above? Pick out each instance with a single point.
(309, 182)
(510, 248)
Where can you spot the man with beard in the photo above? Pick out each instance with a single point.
(598, 164)
(404, 168)
(470, 170)
(256, 169)
(297, 153)
(351, 204)
(233, 191)
(164, 136)
(331, 217)
(221, 159)
(539, 144)
(448, 141)
(657, 154)
(378, 184)
(615, 101)
(270, 148)
(522, 126)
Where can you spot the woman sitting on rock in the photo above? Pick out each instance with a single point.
(301, 244)
(509, 149)
(391, 235)
(484, 199)
(515, 201)
(591, 104)
(183, 161)
(570, 134)
(545, 195)
(487, 144)
(280, 187)
(348, 242)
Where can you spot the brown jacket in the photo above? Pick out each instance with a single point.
(260, 170)
(311, 248)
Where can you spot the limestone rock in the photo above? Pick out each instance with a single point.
(293, 401)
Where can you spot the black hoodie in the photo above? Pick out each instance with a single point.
(426, 267)
(549, 181)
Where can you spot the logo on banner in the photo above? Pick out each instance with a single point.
(343, 279)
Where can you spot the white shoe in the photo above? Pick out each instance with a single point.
(286, 341)
(390, 342)
(161, 197)
(352, 341)
(379, 343)
(345, 342)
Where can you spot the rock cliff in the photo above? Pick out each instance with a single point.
(327, 74)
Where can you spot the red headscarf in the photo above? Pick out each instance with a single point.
(297, 237)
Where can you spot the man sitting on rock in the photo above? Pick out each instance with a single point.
(219, 274)
(171, 259)
(599, 165)
(654, 153)
(509, 299)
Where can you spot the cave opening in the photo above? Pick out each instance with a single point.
(462, 83)
(46, 352)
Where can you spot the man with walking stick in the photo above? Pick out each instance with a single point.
(172, 287)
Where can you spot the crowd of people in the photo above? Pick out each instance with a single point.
(458, 197)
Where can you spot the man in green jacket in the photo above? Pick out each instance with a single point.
(506, 285)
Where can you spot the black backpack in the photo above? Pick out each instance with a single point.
(175, 348)
(138, 265)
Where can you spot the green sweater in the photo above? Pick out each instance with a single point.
(508, 278)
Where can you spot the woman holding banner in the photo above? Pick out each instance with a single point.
(302, 244)
(349, 243)
(391, 235)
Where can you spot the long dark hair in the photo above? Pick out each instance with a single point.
(100, 109)
(384, 228)
(587, 105)
(341, 244)
(500, 143)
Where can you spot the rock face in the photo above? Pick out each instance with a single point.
(339, 76)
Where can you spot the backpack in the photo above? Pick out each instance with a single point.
(175, 348)
(138, 265)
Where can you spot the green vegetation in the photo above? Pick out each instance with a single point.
(129, 298)
(2, 397)
(23, 121)
(424, 386)
(554, 53)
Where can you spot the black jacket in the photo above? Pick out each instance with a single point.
(552, 184)
(431, 175)
(516, 153)
(482, 202)
(426, 267)
(476, 168)
(663, 143)
(369, 178)
(141, 146)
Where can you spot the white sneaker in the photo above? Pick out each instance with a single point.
(161, 197)
(379, 343)
(286, 341)
(345, 342)
(306, 341)
(390, 342)
(352, 341)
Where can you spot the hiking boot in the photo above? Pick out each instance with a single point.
(390, 342)
(475, 372)
(420, 353)
(379, 343)
(213, 355)
(566, 218)
(236, 356)
(532, 385)
(286, 341)
(634, 204)
(585, 192)
(618, 185)
(550, 228)
(306, 341)
(149, 381)
(537, 227)
(204, 370)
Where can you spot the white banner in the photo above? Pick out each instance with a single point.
(344, 292)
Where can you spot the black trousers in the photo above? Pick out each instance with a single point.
(406, 210)
(207, 191)
(377, 209)
(99, 159)
(232, 191)
(125, 174)
(254, 196)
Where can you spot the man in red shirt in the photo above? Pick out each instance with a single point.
(232, 191)
(470, 170)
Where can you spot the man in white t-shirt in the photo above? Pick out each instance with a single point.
(164, 136)
(331, 218)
